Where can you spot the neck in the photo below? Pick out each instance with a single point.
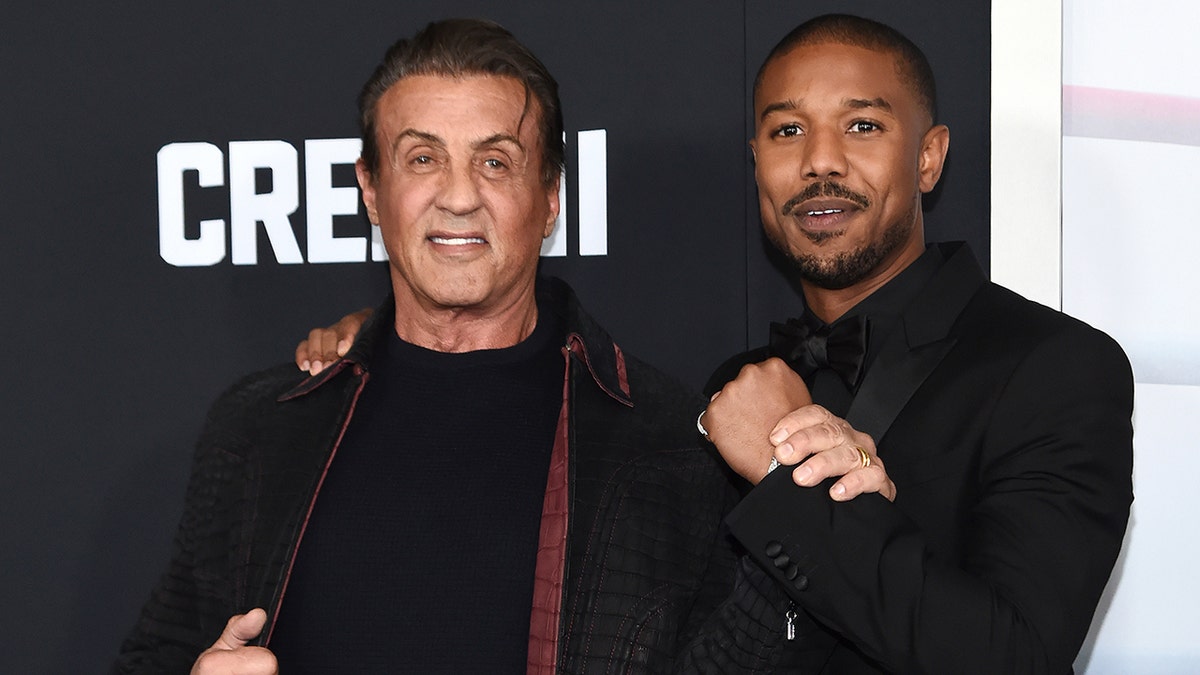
(465, 329)
(829, 304)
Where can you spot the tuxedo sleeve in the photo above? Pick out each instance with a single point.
(1048, 508)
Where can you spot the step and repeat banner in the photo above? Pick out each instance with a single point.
(179, 208)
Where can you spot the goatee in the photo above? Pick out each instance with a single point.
(847, 268)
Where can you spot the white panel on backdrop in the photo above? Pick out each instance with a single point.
(593, 192)
(1026, 128)
(1130, 236)
(1148, 46)
(1130, 245)
(1150, 626)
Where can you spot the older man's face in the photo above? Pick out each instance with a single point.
(843, 150)
(458, 194)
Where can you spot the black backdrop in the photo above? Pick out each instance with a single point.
(115, 354)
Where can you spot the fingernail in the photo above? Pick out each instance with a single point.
(304, 365)
(837, 491)
(802, 475)
(317, 365)
(778, 435)
(784, 453)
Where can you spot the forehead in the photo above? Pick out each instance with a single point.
(830, 75)
(449, 106)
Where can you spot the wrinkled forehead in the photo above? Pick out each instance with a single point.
(481, 98)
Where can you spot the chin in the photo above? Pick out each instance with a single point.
(459, 298)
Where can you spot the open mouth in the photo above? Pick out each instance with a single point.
(822, 212)
(457, 241)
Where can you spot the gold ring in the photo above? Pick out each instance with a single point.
(863, 457)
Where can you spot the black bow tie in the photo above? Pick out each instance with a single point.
(807, 344)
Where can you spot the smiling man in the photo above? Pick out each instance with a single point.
(1005, 426)
(486, 482)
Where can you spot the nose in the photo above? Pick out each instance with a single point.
(459, 192)
(824, 156)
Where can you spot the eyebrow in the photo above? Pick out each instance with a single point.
(432, 139)
(496, 139)
(861, 103)
(781, 106)
(851, 103)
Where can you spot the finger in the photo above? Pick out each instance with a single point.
(240, 661)
(836, 461)
(329, 345)
(347, 329)
(799, 419)
(313, 352)
(862, 481)
(302, 355)
(241, 628)
(309, 350)
(823, 432)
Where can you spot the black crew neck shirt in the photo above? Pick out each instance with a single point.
(419, 555)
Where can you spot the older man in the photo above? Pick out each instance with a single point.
(486, 482)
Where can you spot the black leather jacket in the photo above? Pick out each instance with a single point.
(648, 571)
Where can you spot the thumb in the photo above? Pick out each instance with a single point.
(241, 629)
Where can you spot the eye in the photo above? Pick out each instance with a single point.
(789, 130)
(493, 163)
(863, 127)
(422, 160)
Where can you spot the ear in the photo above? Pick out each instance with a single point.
(366, 183)
(934, 146)
(551, 207)
(753, 151)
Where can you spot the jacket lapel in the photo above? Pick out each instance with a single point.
(919, 344)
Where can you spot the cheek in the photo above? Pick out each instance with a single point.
(775, 177)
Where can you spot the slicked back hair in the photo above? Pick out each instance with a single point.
(462, 47)
(911, 64)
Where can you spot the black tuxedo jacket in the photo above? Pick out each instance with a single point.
(1006, 428)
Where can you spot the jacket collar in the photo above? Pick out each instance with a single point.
(587, 340)
(909, 355)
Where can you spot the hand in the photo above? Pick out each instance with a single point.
(229, 655)
(739, 418)
(326, 345)
(831, 446)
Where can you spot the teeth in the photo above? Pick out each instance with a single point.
(456, 241)
(826, 212)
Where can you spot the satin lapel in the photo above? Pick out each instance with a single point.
(918, 345)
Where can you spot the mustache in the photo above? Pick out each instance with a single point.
(826, 189)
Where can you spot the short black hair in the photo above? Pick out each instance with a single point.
(911, 64)
(458, 47)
